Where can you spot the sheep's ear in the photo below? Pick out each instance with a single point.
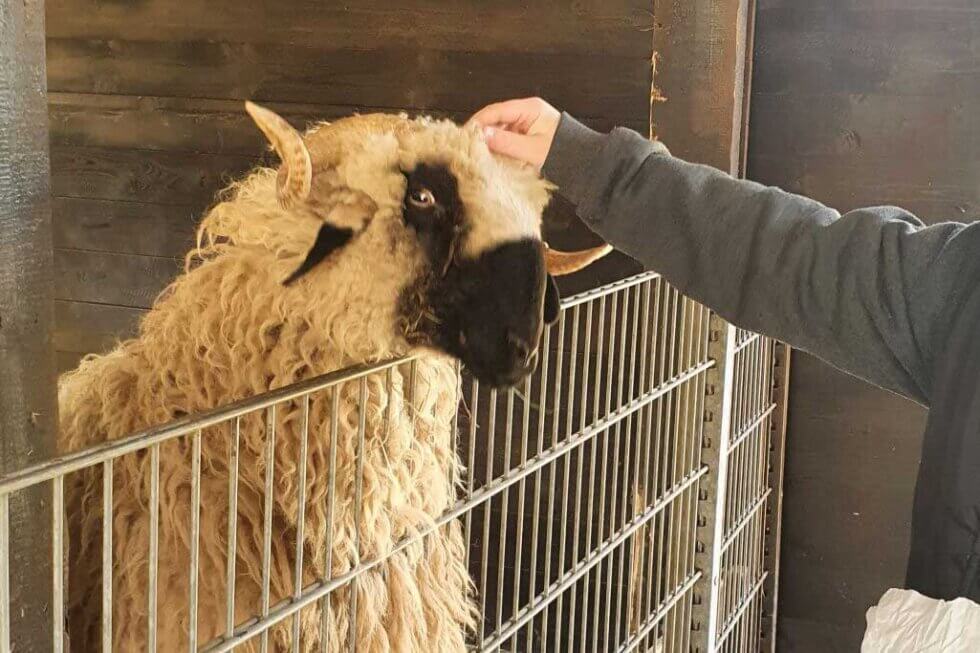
(552, 301)
(328, 239)
(296, 173)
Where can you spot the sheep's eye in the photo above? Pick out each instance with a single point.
(422, 198)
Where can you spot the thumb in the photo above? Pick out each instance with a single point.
(527, 148)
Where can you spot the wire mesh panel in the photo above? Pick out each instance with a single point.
(592, 546)
(278, 522)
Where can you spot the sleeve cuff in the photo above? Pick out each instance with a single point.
(568, 162)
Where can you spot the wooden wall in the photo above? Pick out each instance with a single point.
(147, 121)
(859, 102)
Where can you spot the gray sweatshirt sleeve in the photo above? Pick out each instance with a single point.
(870, 292)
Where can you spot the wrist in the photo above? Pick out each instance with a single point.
(567, 163)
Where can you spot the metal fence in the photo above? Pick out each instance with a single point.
(614, 502)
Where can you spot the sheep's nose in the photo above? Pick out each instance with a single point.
(523, 350)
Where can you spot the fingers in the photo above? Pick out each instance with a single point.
(516, 115)
(530, 149)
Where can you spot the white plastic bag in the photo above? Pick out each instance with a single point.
(905, 621)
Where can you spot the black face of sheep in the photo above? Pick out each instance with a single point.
(478, 280)
(486, 310)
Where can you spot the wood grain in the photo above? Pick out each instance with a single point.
(110, 278)
(613, 27)
(124, 227)
(96, 327)
(408, 78)
(147, 122)
(142, 176)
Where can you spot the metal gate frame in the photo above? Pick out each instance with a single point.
(670, 395)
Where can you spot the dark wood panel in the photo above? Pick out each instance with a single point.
(93, 328)
(124, 227)
(964, 6)
(859, 103)
(399, 78)
(614, 27)
(875, 125)
(934, 190)
(143, 176)
(177, 124)
(854, 451)
(107, 278)
(830, 51)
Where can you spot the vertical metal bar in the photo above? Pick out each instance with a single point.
(154, 555)
(232, 553)
(565, 490)
(304, 448)
(325, 607)
(600, 350)
(715, 453)
(780, 388)
(195, 537)
(57, 563)
(107, 506)
(502, 542)
(580, 459)
(5, 572)
(359, 492)
(458, 368)
(590, 522)
(552, 470)
(487, 507)
(606, 462)
(521, 495)
(535, 520)
(471, 463)
(270, 470)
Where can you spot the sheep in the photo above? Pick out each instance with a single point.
(424, 244)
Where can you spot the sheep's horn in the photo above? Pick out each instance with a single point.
(561, 263)
(295, 184)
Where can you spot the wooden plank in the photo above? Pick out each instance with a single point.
(805, 124)
(399, 78)
(177, 124)
(899, 53)
(86, 328)
(106, 278)
(28, 398)
(853, 454)
(143, 176)
(701, 119)
(964, 6)
(933, 190)
(124, 227)
(613, 27)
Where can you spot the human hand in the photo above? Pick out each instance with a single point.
(522, 129)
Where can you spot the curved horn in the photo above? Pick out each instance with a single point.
(295, 184)
(562, 263)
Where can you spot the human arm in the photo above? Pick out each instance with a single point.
(870, 292)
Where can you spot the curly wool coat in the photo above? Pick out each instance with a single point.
(227, 329)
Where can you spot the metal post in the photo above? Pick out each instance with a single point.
(711, 515)
(28, 407)
(774, 519)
